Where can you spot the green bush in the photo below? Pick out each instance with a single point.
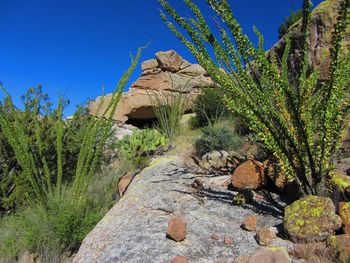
(209, 108)
(136, 149)
(56, 213)
(217, 137)
(59, 226)
(289, 21)
(300, 123)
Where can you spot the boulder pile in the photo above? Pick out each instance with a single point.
(168, 73)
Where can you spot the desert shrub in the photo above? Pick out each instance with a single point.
(136, 149)
(60, 225)
(300, 123)
(169, 108)
(289, 21)
(57, 213)
(38, 113)
(217, 137)
(209, 108)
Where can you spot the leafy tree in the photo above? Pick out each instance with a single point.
(300, 124)
(289, 21)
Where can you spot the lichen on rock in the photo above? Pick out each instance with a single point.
(311, 219)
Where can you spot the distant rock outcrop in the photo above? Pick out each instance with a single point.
(169, 72)
(322, 22)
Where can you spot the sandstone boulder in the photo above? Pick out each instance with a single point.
(249, 175)
(167, 75)
(311, 219)
(170, 60)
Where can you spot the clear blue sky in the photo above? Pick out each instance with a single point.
(75, 46)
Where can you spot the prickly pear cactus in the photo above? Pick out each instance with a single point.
(137, 148)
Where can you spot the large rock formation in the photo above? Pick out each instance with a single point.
(169, 73)
(323, 19)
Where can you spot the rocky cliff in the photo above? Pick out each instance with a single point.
(322, 21)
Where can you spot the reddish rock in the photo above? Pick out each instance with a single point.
(249, 175)
(265, 255)
(180, 259)
(170, 60)
(341, 246)
(215, 237)
(124, 183)
(228, 240)
(264, 236)
(177, 229)
(249, 223)
(344, 212)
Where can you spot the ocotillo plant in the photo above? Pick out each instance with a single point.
(42, 179)
(300, 123)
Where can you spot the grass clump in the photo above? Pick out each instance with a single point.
(217, 137)
(56, 212)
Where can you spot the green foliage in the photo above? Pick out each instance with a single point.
(217, 137)
(289, 21)
(302, 123)
(38, 114)
(169, 108)
(209, 108)
(136, 149)
(60, 225)
(56, 210)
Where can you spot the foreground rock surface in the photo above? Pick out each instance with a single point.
(134, 229)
